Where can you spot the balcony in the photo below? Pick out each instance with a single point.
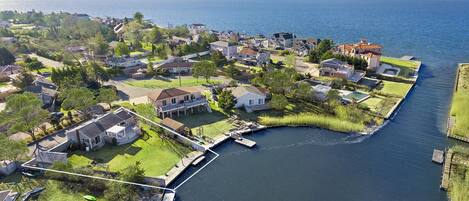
(183, 105)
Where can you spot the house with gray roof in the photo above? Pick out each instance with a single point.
(118, 127)
(249, 97)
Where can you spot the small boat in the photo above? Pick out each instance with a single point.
(89, 198)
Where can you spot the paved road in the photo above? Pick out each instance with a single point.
(46, 61)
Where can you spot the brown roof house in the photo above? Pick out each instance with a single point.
(365, 50)
(253, 57)
(177, 66)
(178, 100)
(176, 126)
(118, 127)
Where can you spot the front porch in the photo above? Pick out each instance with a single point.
(196, 105)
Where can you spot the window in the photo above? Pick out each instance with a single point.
(173, 101)
(97, 139)
(251, 102)
(164, 103)
(192, 97)
(260, 102)
(186, 98)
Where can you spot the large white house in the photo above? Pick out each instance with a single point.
(248, 96)
(228, 49)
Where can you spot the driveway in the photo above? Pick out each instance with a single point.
(46, 61)
(49, 141)
(127, 92)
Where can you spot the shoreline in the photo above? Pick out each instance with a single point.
(450, 120)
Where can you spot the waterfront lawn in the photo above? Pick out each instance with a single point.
(162, 83)
(459, 105)
(146, 110)
(399, 62)
(397, 89)
(459, 174)
(213, 124)
(380, 105)
(156, 155)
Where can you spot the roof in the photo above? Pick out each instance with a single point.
(93, 128)
(284, 35)
(242, 90)
(9, 68)
(116, 129)
(44, 82)
(4, 194)
(333, 61)
(221, 44)
(248, 51)
(171, 92)
(173, 124)
(176, 64)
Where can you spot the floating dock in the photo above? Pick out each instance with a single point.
(198, 160)
(438, 156)
(446, 170)
(245, 142)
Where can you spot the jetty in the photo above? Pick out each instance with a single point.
(245, 142)
(446, 170)
(198, 160)
(438, 156)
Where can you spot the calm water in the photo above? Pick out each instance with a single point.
(313, 164)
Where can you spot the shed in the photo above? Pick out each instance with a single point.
(174, 125)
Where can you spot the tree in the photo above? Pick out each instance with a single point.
(324, 46)
(138, 17)
(232, 71)
(12, 150)
(204, 69)
(154, 36)
(226, 100)
(97, 72)
(77, 98)
(133, 34)
(150, 69)
(121, 49)
(33, 64)
(218, 58)
(327, 55)
(25, 79)
(133, 173)
(6, 57)
(290, 61)
(278, 102)
(99, 44)
(23, 113)
(303, 91)
(119, 191)
(107, 95)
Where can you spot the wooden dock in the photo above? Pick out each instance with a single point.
(438, 156)
(446, 170)
(245, 142)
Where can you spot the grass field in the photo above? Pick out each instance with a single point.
(460, 102)
(380, 105)
(157, 155)
(459, 175)
(399, 62)
(395, 88)
(170, 82)
(213, 124)
(2, 84)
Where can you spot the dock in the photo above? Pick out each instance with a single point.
(198, 160)
(446, 170)
(438, 156)
(245, 142)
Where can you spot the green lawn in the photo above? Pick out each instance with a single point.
(2, 84)
(395, 88)
(213, 124)
(399, 62)
(170, 82)
(46, 69)
(157, 156)
(136, 53)
(460, 102)
(380, 105)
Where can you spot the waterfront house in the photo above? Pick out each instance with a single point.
(365, 50)
(229, 50)
(229, 36)
(118, 127)
(321, 91)
(45, 90)
(249, 97)
(128, 65)
(7, 71)
(250, 56)
(178, 100)
(336, 68)
(283, 40)
(197, 28)
(302, 46)
(178, 65)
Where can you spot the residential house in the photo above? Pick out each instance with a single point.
(177, 100)
(302, 46)
(250, 56)
(249, 97)
(128, 65)
(4, 24)
(336, 68)
(118, 127)
(8, 195)
(7, 71)
(283, 40)
(7, 167)
(197, 28)
(365, 50)
(229, 36)
(321, 91)
(44, 90)
(226, 48)
(177, 66)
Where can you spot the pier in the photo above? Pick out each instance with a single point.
(446, 170)
(245, 142)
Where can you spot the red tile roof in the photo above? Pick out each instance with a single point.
(248, 51)
(171, 92)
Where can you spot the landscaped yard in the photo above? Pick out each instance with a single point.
(156, 155)
(460, 102)
(380, 105)
(399, 62)
(213, 124)
(162, 83)
(459, 174)
(395, 88)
